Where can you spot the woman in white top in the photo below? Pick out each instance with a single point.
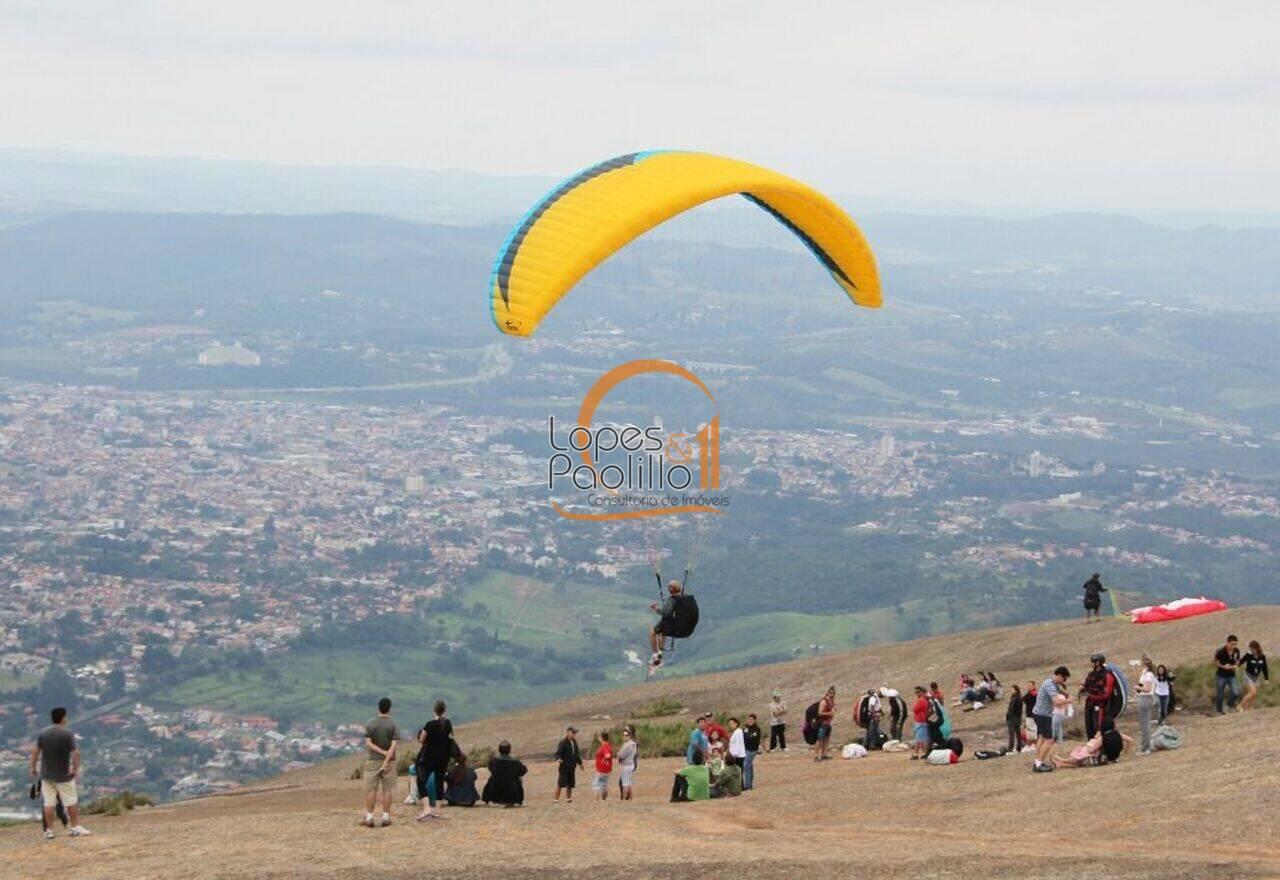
(627, 761)
(1164, 690)
(1146, 691)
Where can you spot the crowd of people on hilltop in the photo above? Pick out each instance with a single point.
(720, 759)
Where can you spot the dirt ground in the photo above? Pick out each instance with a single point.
(1205, 811)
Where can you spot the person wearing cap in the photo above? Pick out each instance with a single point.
(569, 757)
(777, 722)
(897, 711)
(1098, 687)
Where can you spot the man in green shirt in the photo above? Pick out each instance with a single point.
(380, 738)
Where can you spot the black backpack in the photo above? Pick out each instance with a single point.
(860, 715)
(810, 730)
(684, 616)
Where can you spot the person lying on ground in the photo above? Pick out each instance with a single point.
(1105, 747)
(506, 778)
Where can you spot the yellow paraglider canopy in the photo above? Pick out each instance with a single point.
(594, 213)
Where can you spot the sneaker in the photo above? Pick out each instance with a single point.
(1042, 768)
(367, 822)
(49, 835)
(385, 823)
(80, 831)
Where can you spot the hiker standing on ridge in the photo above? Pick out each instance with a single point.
(380, 739)
(55, 761)
(1093, 590)
(1013, 718)
(569, 757)
(604, 767)
(871, 739)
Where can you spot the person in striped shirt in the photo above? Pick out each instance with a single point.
(1050, 694)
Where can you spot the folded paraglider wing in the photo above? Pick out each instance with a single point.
(1177, 610)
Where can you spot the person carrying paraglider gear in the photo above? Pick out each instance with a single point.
(1097, 689)
(677, 615)
(1093, 590)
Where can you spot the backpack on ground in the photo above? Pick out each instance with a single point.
(880, 740)
(1166, 738)
(684, 616)
(853, 750)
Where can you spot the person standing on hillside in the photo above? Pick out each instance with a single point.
(55, 761)
(569, 759)
(1164, 691)
(1098, 687)
(1093, 590)
(381, 736)
(1255, 671)
(826, 719)
(897, 711)
(628, 761)
(1146, 691)
(1227, 660)
(920, 715)
(699, 746)
(604, 767)
(751, 741)
(777, 722)
(434, 751)
(871, 739)
(1051, 692)
(1013, 718)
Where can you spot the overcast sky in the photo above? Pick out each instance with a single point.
(1114, 106)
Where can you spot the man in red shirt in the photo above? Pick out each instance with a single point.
(920, 715)
(604, 766)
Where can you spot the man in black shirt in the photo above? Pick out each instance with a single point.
(569, 758)
(1093, 590)
(751, 742)
(1226, 685)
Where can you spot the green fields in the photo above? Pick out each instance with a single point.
(585, 629)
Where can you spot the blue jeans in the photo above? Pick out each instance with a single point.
(1222, 684)
(749, 771)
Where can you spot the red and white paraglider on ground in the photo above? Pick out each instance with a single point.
(1176, 610)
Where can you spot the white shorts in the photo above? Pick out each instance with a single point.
(600, 782)
(53, 789)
